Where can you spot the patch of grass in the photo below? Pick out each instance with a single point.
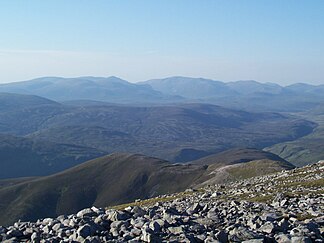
(305, 192)
(256, 168)
(261, 199)
(143, 203)
(304, 216)
(314, 183)
(150, 201)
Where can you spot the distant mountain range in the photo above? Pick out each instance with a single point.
(111, 89)
(115, 179)
(241, 94)
(250, 95)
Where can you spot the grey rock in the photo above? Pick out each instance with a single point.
(116, 224)
(268, 228)
(283, 238)
(201, 237)
(47, 221)
(138, 211)
(138, 223)
(242, 234)
(118, 215)
(87, 212)
(136, 232)
(57, 226)
(194, 208)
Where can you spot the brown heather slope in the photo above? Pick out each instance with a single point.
(112, 180)
(109, 180)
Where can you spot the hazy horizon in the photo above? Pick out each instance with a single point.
(227, 40)
(139, 81)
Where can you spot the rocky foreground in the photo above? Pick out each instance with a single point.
(282, 207)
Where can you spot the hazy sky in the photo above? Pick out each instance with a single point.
(266, 40)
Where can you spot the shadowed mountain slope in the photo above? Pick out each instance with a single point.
(22, 114)
(10, 101)
(21, 157)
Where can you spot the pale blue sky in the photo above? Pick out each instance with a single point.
(278, 41)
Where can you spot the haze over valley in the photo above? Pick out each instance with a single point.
(162, 121)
